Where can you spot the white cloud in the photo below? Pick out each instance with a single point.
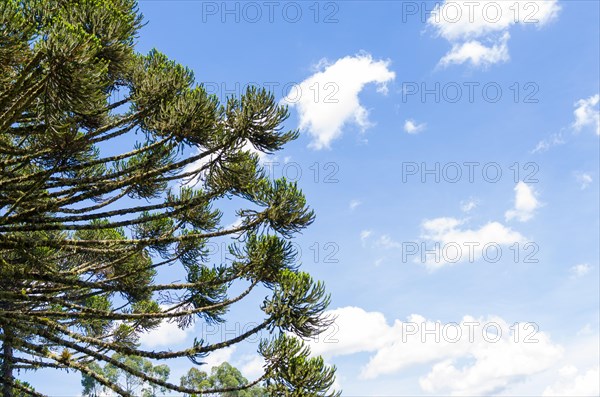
(237, 223)
(354, 204)
(196, 166)
(467, 24)
(378, 262)
(441, 226)
(345, 337)
(572, 383)
(468, 205)
(464, 20)
(166, 334)
(477, 53)
(545, 144)
(252, 366)
(587, 114)
(491, 366)
(586, 330)
(576, 373)
(525, 203)
(580, 270)
(584, 179)
(453, 244)
(364, 235)
(328, 100)
(386, 242)
(492, 356)
(218, 357)
(412, 127)
(497, 365)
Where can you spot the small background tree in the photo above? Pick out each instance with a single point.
(128, 382)
(221, 376)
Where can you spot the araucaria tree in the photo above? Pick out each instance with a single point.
(101, 199)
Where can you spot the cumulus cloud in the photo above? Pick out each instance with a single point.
(497, 365)
(477, 53)
(412, 127)
(166, 334)
(525, 203)
(343, 337)
(492, 356)
(218, 357)
(451, 243)
(587, 114)
(251, 366)
(573, 383)
(459, 20)
(328, 100)
(479, 31)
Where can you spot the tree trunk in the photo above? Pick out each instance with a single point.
(7, 363)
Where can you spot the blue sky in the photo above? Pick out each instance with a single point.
(423, 129)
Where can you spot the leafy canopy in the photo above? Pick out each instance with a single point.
(100, 199)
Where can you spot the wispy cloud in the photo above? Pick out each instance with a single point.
(354, 204)
(584, 179)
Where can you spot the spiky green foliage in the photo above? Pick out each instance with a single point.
(97, 197)
(295, 374)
